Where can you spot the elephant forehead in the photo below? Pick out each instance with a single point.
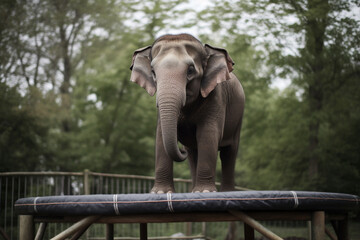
(170, 60)
(172, 57)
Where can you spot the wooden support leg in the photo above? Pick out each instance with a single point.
(80, 232)
(143, 231)
(26, 227)
(41, 231)
(255, 225)
(109, 231)
(318, 225)
(249, 232)
(84, 223)
(330, 234)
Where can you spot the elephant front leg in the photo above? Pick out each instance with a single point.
(164, 182)
(208, 140)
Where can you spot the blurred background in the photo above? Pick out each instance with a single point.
(66, 102)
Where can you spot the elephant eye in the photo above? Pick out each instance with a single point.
(191, 70)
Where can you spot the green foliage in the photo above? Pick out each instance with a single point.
(72, 65)
(304, 136)
(22, 131)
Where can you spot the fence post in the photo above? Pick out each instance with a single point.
(86, 182)
(203, 229)
(343, 229)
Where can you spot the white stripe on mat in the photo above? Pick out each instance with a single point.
(168, 196)
(35, 209)
(296, 204)
(116, 208)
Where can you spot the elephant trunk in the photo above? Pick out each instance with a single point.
(169, 103)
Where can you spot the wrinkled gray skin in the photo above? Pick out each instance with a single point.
(200, 103)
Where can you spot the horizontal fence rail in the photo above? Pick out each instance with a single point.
(15, 185)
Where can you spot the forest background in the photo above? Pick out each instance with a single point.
(66, 102)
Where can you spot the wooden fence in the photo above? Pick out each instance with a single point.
(15, 185)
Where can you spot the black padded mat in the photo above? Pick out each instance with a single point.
(121, 204)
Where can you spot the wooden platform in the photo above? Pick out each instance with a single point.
(249, 207)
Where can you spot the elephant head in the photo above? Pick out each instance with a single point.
(181, 70)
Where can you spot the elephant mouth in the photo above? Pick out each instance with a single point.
(191, 96)
(190, 93)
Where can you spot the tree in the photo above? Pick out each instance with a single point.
(71, 60)
(321, 75)
(301, 41)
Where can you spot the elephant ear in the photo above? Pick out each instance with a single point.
(141, 70)
(218, 69)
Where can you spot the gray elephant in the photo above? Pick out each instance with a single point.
(200, 104)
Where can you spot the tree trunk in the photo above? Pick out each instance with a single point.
(67, 71)
(314, 43)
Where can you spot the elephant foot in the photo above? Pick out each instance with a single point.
(204, 189)
(162, 189)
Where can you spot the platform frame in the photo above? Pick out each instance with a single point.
(250, 219)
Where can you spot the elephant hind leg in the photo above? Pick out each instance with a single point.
(228, 159)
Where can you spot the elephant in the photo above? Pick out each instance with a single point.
(200, 103)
